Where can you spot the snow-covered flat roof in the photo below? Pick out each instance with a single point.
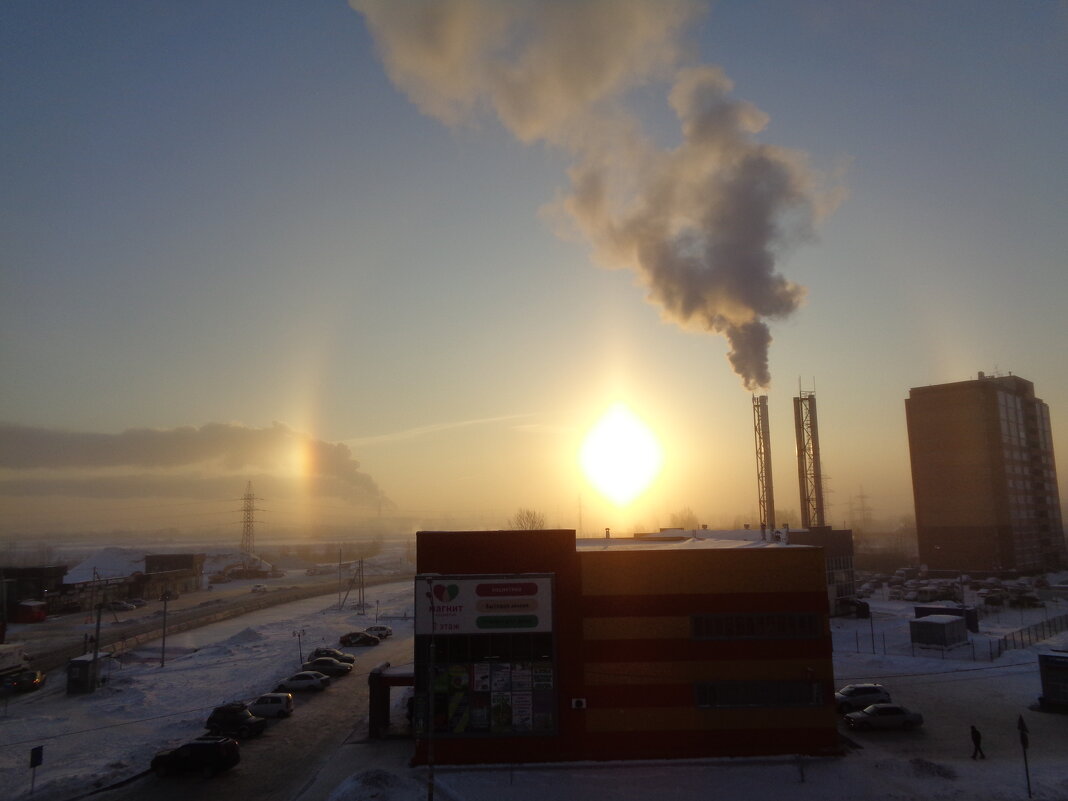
(680, 540)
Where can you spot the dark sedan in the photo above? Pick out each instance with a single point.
(23, 682)
(358, 638)
(328, 665)
(333, 653)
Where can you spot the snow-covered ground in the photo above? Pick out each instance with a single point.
(96, 739)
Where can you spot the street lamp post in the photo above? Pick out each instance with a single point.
(299, 633)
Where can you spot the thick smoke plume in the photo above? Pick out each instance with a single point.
(700, 223)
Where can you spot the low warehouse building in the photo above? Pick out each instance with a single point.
(537, 649)
(939, 631)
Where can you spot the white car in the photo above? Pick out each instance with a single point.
(259, 588)
(272, 705)
(305, 680)
(380, 631)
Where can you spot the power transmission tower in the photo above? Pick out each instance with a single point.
(248, 528)
(863, 512)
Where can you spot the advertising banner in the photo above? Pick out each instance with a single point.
(483, 604)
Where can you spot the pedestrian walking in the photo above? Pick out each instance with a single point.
(977, 742)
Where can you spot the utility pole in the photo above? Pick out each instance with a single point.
(430, 695)
(96, 642)
(166, 597)
(1025, 743)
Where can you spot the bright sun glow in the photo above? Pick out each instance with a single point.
(620, 456)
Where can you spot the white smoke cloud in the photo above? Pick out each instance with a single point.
(701, 224)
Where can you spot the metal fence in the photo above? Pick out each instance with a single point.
(984, 647)
(1028, 635)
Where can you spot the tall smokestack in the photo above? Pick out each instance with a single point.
(765, 485)
(809, 472)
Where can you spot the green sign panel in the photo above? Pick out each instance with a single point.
(507, 621)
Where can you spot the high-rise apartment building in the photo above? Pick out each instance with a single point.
(983, 476)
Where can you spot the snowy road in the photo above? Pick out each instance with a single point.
(91, 741)
(286, 758)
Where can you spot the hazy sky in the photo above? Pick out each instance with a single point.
(380, 260)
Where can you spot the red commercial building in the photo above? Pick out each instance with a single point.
(540, 649)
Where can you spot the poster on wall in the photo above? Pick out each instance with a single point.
(501, 678)
(542, 675)
(501, 712)
(481, 672)
(522, 711)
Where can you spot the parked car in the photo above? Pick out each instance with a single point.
(22, 681)
(305, 680)
(259, 588)
(358, 638)
(380, 631)
(1026, 600)
(206, 755)
(328, 665)
(120, 606)
(857, 696)
(334, 653)
(884, 716)
(235, 719)
(272, 705)
(137, 602)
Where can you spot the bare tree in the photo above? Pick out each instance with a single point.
(526, 520)
(685, 519)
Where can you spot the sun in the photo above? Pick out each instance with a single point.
(621, 456)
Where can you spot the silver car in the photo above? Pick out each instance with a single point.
(272, 705)
(858, 696)
(305, 680)
(884, 716)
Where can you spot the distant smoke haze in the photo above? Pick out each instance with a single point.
(702, 223)
(179, 462)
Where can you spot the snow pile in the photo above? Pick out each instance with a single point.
(378, 785)
(246, 637)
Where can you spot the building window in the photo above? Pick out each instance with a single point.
(770, 626)
(486, 684)
(757, 694)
